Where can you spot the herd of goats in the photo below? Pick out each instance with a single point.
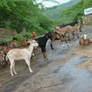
(11, 51)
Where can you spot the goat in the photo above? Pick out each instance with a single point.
(64, 25)
(21, 53)
(55, 36)
(84, 40)
(69, 30)
(84, 19)
(3, 62)
(13, 43)
(34, 35)
(76, 29)
(72, 28)
(42, 43)
(63, 31)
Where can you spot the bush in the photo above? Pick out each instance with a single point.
(28, 34)
(18, 14)
(7, 39)
(19, 37)
(74, 12)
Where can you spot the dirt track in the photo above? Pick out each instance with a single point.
(67, 70)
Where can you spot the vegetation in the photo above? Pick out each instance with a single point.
(75, 12)
(55, 12)
(18, 14)
(72, 12)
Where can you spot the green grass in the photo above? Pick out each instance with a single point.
(7, 39)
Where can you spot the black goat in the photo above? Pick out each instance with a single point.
(71, 24)
(42, 43)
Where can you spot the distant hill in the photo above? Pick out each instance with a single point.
(54, 12)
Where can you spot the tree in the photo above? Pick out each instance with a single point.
(18, 14)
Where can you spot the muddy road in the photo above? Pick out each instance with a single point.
(61, 73)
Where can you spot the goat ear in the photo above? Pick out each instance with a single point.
(28, 44)
(26, 40)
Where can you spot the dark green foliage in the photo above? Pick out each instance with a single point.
(17, 14)
(19, 37)
(27, 35)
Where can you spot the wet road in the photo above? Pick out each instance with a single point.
(59, 74)
(60, 78)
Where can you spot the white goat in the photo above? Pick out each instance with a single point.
(21, 53)
(84, 36)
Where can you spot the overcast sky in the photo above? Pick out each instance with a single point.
(50, 4)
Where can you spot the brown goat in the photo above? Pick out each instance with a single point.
(85, 40)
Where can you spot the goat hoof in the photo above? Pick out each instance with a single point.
(12, 75)
(46, 59)
(33, 55)
(52, 48)
(31, 71)
(16, 73)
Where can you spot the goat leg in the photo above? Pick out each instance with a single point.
(45, 55)
(51, 45)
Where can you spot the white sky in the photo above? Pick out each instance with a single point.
(51, 4)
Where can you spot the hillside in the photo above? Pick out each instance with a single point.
(54, 12)
(69, 12)
(75, 12)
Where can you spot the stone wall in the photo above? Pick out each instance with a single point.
(6, 32)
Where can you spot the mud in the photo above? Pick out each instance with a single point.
(67, 70)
